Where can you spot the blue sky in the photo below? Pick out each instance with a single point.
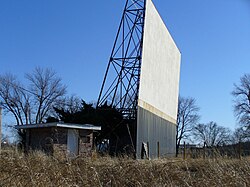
(75, 39)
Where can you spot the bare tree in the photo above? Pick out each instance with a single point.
(34, 103)
(48, 91)
(187, 117)
(242, 101)
(4, 138)
(14, 99)
(71, 105)
(240, 134)
(212, 134)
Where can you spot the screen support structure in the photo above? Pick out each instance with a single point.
(120, 86)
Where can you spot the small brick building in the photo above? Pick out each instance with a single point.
(57, 137)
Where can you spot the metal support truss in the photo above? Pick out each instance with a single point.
(120, 86)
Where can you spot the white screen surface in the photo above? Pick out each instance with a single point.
(160, 71)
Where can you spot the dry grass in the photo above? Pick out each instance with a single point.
(37, 169)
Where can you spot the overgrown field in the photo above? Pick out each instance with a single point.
(38, 169)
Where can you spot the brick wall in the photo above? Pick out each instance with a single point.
(85, 142)
(60, 141)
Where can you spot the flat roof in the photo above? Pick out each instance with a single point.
(60, 124)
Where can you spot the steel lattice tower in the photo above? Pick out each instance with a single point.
(120, 86)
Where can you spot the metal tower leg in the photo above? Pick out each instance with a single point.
(121, 81)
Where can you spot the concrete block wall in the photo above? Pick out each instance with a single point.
(54, 139)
